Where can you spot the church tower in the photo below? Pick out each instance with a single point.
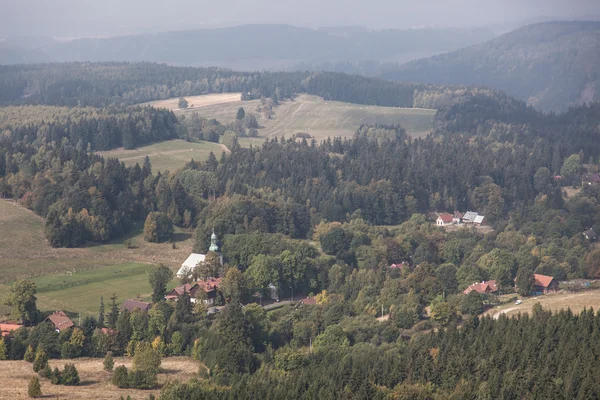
(214, 247)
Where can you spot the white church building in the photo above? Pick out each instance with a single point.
(189, 265)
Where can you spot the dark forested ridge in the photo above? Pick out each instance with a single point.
(250, 46)
(102, 84)
(550, 65)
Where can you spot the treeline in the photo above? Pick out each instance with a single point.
(89, 128)
(102, 84)
(551, 356)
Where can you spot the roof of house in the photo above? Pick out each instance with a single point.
(209, 284)
(309, 301)
(131, 305)
(60, 320)
(190, 263)
(458, 214)
(542, 280)
(590, 234)
(479, 219)
(6, 329)
(445, 217)
(401, 265)
(594, 178)
(470, 216)
(482, 287)
(179, 290)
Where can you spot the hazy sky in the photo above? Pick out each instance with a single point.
(109, 17)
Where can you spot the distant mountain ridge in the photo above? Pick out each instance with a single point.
(259, 46)
(551, 65)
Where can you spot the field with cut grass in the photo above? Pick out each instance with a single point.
(197, 101)
(553, 301)
(313, 115)
(100, 268)
(95, 382)
(169, 155)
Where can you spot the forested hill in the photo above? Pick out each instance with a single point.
(257, 46)
(102, 84)
(550, 65)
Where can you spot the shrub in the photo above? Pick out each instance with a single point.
(55, 377)
(109, 363)
(46, 372)
(29, 354)
(120, 377)
(41, 359)
(142, 379)
(70, 376)
(34, 389)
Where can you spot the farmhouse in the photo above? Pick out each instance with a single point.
(591, 179)
(60, 321)
(6, 329)
(131, 305)
(544, 284)
(482, 287)
(208, 285)
(444, 219)
(590, 235)
(189, 265)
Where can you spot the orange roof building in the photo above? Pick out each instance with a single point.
(544, 283)
(60, 321)
(8, 328)
(482, 287)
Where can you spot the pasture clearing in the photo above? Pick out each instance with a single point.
(552, 301)
(95, 382)
(169, 155)
(315, 116)
(25, 253)
(195, 102)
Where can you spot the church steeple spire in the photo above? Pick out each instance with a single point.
(214, 247)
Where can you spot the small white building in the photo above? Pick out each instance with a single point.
(444, 219)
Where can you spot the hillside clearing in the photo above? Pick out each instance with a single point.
(196, 101)
(169, 155)
(313, 115)
(552, 301)
(25, 253)
(95, 382)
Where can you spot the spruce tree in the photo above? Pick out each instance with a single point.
(34, 389)
(101, 313)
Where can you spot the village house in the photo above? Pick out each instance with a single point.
(130, 305)
(457, 217)
(444, 219)
(482, 287)
(591, 179)
(590, 235)
(60, 321)
(189, 265)
(6, 329)
(544, 284)
(208, 285)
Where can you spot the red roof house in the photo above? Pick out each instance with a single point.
(209, 285)
(482, 287)
(444, 219)
(544, 283)
(6, 329)
(131, 305)
(60, 321)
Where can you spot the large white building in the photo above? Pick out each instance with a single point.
(189, 265)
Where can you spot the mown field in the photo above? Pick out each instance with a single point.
(553, 301)
(169, 155)
(95, 382)
(97, 269)
(318, 117)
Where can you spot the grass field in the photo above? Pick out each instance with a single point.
(197, 101)
(25, 253)
(318, 117)
(169, 155)
(553, 301)
(94, 380)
